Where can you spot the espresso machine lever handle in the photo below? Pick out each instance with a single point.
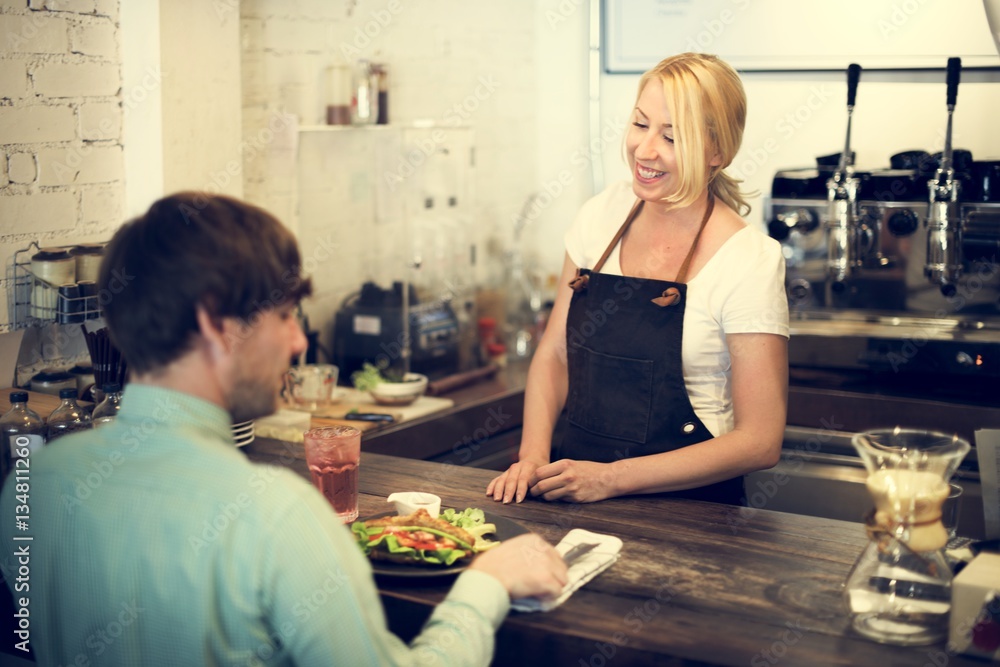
(954, 74)
(853, 76)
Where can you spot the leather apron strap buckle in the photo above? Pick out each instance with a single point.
(670, 297)
(579, 283)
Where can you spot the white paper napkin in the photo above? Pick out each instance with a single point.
(583, 570)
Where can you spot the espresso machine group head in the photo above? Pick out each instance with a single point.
(944, 225)
(842, 195)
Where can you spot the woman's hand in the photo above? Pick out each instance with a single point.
(576, 481)
(513, 484)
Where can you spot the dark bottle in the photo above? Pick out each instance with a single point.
(69, 417)
(107, 410)
(382, 75)
(23, 432)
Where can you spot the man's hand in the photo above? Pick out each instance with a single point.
(576, 481)
(526, 565)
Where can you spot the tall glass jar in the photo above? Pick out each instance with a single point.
(364, 94)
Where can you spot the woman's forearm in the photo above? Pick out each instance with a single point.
(731, 455)
(544, 397)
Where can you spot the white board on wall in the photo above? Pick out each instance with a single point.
(782, 35)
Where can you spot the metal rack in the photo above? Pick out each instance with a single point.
(37, 302)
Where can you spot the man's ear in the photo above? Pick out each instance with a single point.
(214, 332)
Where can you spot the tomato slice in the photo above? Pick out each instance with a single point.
(416, 540)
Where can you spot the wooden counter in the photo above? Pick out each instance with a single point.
(697, 584)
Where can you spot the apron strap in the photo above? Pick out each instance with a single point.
(580, 282)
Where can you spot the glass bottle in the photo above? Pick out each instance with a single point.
(68, 418)
(899, 590)
(23, 432)
(364, 94)
(524, 304)
(382, 79)
(107, 410)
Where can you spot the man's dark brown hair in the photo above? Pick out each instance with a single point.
(190, 249)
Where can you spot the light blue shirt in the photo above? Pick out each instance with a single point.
(155, 541)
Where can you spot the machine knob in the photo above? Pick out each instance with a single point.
(964, 359)
(799, 291)
(778, 230)
(903, 222)
(801, 219)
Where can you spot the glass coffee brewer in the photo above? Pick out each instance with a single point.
(899, 590)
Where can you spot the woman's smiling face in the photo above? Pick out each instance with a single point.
(649, 145)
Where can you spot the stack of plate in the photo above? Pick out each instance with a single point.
(243, 433)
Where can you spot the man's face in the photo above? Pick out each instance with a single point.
(261, 355)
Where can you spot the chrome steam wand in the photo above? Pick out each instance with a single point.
(944, 226)
(842, 193)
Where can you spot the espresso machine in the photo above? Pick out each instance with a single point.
(894, 271)
(893, 286)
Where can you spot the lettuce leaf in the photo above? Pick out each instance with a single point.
(468, 518)
(390, 543)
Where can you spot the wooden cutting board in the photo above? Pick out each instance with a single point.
(353, 400)
(361, 401)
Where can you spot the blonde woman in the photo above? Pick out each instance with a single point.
(667, 344)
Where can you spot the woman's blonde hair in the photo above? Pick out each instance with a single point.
(708, 108)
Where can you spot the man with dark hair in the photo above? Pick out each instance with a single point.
(155, 541)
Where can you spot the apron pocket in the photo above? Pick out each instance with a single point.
(609, 395)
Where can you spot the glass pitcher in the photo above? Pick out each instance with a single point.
(899, 590)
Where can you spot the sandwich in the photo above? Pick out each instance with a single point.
(414, 539)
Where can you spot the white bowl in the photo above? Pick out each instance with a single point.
(400, 393)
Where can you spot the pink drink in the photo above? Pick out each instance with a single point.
(339, 485)
(333, 454)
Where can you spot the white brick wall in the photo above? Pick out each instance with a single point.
(13, 78)
(100, 121)
(21, 168)
(36, 123)
(77, 79)
(33, 32)
(61, 166)
(437, 52)
(80, 165)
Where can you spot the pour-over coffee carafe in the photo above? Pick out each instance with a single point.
(899, 590)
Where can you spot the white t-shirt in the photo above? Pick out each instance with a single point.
(740, 290)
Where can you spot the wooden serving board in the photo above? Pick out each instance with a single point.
(361, 401)
(353, 400)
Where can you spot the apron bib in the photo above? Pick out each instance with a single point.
(626, 384)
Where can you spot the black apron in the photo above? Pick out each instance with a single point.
(626, 383)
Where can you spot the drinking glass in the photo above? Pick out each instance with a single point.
(312, 387)
(333, 454)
